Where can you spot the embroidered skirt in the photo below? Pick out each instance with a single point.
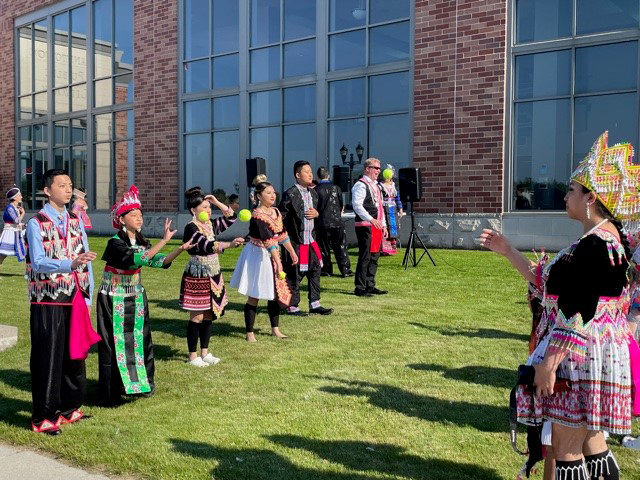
(12, 242)
(203, 294)
(600, 387)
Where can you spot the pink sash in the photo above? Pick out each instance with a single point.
(81, 334)
(634, 364)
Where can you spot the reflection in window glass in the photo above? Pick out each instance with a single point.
(347, 50)
(265, 64)
(61, 158)
(124, 88)
(300, 103)
(79, 97)
(226, 162)
(196, 76)
(591, 77)
(124, 35)
(61, 133)
(538, 20)
(385, 10)
(266, 143)
(593, 115)
(225, 71)
(345, 14)
(61, 50)
(78, 131)
(389, 43)
(25, 138)
(78, 166)
(348, 133)
(123, 158)
(542, 168)
(40, 136)
(197, 149)
(346, 97)
(299, 144)
(543, 75)
(265, 108)
(390, 140)
(389, 93)
(299, 18)
(40, 104)
(40, 165)
(26, 107)
(61, 100)
(196, 29)
(102, 38)
(26, 175)
(79, 45)
(41, 53)
(265, 22)
(225, 21)
(299, 58)
(102, 94)
(103, 127)
(197, 115)
(124, 124)
(605, 15)
(26, 71)
(103, 175)
(226, 112)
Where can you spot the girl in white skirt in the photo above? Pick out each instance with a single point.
(258, 271)
(12, 240)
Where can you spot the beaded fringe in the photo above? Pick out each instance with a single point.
(576, 472)
(596, 467)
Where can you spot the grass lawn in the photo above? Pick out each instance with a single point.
(410, 385)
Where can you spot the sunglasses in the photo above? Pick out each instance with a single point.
(375, 168)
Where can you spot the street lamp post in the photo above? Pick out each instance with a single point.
(351, 163)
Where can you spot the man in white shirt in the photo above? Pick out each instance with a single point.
(371, 228)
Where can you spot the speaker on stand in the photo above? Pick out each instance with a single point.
(410, 184)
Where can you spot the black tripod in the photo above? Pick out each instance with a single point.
(410, 252)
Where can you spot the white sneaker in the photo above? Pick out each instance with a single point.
(210, 359)
(631, 442)
(198, 362)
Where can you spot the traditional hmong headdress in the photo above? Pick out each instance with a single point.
(611, 175)
(130, 201)
(12, 193)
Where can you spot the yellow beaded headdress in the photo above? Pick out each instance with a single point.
(611, 175)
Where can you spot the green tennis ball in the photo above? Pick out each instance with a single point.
(282, 275)
(244, 215)
(203, 217)
(387, 173)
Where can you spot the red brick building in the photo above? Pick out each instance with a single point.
(493, 101)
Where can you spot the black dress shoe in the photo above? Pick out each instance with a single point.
(296, 313)
(348, 274)
(321, 311)
(54, 432)
(325, 274)
(361, 293)
(375, 291)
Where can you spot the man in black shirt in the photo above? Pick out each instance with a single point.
(330, 227)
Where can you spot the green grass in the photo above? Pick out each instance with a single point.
(410, 385)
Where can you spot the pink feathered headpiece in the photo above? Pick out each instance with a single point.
(130, 201)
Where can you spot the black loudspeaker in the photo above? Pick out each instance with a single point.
(255, 166)
(410, 184)
(341, 177)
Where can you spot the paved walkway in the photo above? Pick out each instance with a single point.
(21, 464)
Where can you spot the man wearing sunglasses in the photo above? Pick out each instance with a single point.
(371, 228)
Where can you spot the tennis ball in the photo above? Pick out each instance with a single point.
(244, 215)
(282, 275)
(203, 217)
(387, 173)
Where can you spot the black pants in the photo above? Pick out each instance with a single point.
(295, 276)
(333, 238)
(367, 262)
(58, 384)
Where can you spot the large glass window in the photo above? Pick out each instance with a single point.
(564, 95)
(52, 64)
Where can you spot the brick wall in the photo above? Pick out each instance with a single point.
(155, 102)
(459, 104)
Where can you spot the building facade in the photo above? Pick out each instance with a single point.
(494, 101)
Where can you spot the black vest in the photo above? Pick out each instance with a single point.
(367, 204)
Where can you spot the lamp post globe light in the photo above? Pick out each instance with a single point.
(344, 151)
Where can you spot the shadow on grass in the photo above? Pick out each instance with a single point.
(473, 333)
(256, 464)
(11, 274)
(383, 458)
(486, 418)
(178, 327)
(180, 313)
(492, 376)
(15, 412)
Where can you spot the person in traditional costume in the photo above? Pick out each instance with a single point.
(258, 273)
(583, 377)
(371, 228)
(80, 206)
(202, 290)
(392, 211)
(12, 240)
(60, 285)
(299, 208)
(125, 356)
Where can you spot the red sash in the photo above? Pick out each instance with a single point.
(304, 255)
(376, 239)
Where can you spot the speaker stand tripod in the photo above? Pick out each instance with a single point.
(410, 256)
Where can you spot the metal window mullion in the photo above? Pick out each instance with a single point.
(572, 102)
(412, 43)
(16, 140)
(90, 170)
(244, 32)
(322, 104)
(50, 38)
